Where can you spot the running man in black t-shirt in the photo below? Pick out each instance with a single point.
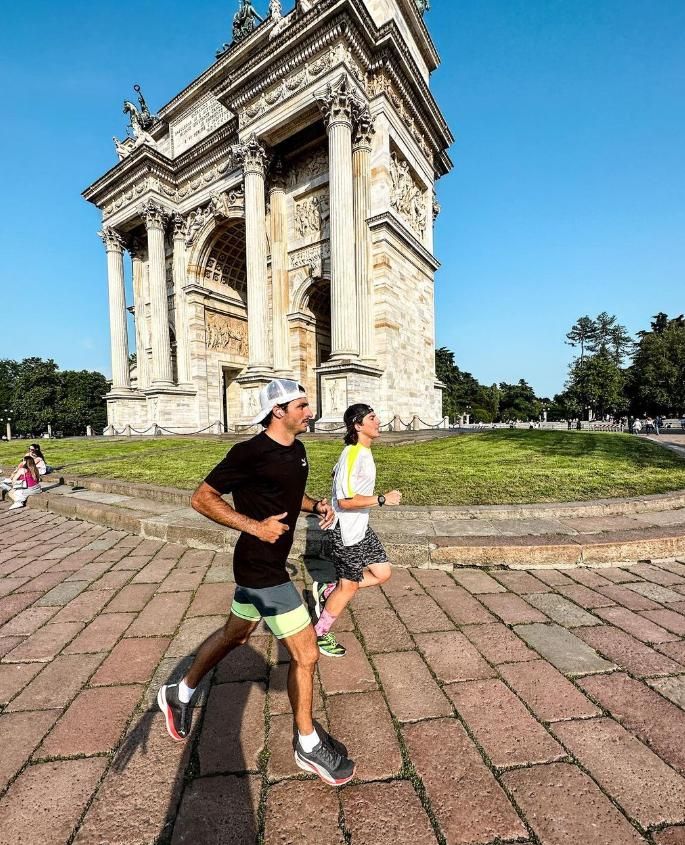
(267, 477)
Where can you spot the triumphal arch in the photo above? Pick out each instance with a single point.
(278, 214)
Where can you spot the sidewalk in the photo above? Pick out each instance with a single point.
(540, 707)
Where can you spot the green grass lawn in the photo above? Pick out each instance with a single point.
(498, 467)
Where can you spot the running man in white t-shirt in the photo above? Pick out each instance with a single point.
(359, 557)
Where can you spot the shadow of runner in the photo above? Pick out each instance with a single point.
(205, 790)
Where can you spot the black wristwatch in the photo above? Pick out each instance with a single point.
(381, 501)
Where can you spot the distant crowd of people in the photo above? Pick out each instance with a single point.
(25, 480)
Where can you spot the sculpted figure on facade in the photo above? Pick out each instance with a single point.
(309, 167)
(312, 216)
(226, 333)
(245, 20)
(406, 197)
(423, 6)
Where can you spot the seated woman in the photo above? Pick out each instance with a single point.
(25, 482)
(37, 455)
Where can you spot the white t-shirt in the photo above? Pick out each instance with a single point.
(355, 473)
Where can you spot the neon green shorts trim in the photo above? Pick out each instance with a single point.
(281, 607)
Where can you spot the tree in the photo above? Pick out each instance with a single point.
(80, 402)
(518, 401)
(35, 395)
(582, 333)
(8, 376)
(463, 390)
(656, 379)
(597, 383)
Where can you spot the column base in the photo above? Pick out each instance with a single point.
(341, 384)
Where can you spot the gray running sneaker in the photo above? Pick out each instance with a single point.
(326, 762)
(318, 590)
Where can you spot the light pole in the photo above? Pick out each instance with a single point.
(468, 415)
(8, 420)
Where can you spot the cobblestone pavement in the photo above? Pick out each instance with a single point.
(481, 707)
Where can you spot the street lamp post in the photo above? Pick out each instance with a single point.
(8, 421)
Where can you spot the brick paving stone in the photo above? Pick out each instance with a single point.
(11, 605)
(45, 643)
(183, 579)
(432, 578)
(14, 677)
(193, 558)
(411, 691)
(233, 728)
(219, 575)
(563, 650)
(353, 674)
(655, 592)
(546, 691)
(497, 643)
(30, 620)
(512, 609)
(461, 607)
(561, 610)
(382, 630)
(248, 662)
(279, 702)
(588, 577)
(8, 643)
(657, 722)
(43, 583)
(508, 733)
(281, 747)
(638, 626)
(219, 810)
(84, 607)
(287, 824)
(582, 814)
(477, 581)
(520, 582)
(657, 576)
(192, 633)
(668, 619)
(671, 566)
(161, 615)
(149, 547)
(212, 600)
(672, 688)
(627, 652)
(35, 568)
(674, 650)
(363, 723)
(170, 671)
(420, 614)
(648, 790)
(101, 634)
(132, 661)
(585, 597)
(401, 584)
(45, 802)
(155, 571)
(386, 814)
(469, 804)
(670, 836)
(131, 563)
(7, 585)
(20, 733)
(677, 606)
(617, 575)
(453, 658)
(63, 593)
(110, 581)
(90, 572)
(628, 598)
(92, 724)
(552, 577)
(131, 598)
(57, 683)
(139, 795)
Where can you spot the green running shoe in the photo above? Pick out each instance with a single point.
(330, 646)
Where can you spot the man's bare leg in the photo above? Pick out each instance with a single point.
(304, 656)
(234, 633)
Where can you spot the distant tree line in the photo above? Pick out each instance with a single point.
(35, 393)
(612, 374)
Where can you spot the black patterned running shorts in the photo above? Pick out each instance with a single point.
(350, 560)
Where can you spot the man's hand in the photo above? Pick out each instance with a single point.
(271, 528)
(394, 497)
(325, 513)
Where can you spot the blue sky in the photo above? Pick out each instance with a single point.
(567, 195)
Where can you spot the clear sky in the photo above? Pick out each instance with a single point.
(567, 195)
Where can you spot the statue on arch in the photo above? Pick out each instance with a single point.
(423, 6)
(245, 20)
(140, 121)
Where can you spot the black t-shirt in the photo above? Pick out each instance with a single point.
(265, 479)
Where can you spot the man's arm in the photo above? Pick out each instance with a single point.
(207, 501)
(319, 507)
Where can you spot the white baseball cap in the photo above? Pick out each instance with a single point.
(279, 391)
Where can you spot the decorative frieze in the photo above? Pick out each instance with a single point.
(406, 197)
(311, 216)
(380, 83)
(308, 167)
(226, 334)
(311, 257)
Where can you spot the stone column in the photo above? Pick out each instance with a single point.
(135, 249)
(361, 185)
(337, 103)
(156, 218)
(114, 245)
(279, 270)
(180, 316)
(254, 159)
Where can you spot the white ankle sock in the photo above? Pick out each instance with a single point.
(185, 693)
(309, 741)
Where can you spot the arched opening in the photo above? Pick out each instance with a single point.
(319, 306)
(224, 264)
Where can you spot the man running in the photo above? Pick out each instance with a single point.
(267, 476)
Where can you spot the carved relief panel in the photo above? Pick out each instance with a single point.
(226, 334)
(406, 196)
(311, 216)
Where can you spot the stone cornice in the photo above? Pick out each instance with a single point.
(390, 223)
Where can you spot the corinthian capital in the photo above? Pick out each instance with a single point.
(337, 102)
(154, 215)
(363, 128)
(252, 155)
(112, 240)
